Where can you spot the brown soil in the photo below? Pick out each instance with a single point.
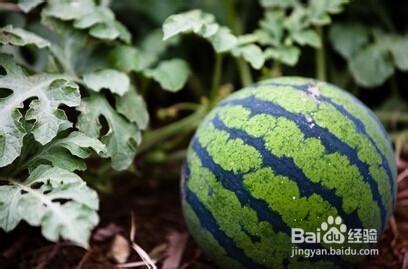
(156, 207)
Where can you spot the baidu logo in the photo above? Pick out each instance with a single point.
(331, 231)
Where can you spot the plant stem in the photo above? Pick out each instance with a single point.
(232, 16)
(321, 57)
(184, 106)
(245, 72)
(155, 137)
(216, 77)
(276, 69)
(236, 27)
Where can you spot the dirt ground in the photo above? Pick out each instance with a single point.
(160, 231)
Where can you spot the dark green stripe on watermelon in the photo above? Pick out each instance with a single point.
(286, 167)
(234, 183)
(360, 128)
(332, 143)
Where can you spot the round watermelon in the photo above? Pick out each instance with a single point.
(289, 173)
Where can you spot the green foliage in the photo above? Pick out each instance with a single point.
(86, 14)
(117, 82)
(50, 92)
(133, 107)
(35, 201)
(282, 34)
(77, 105)
(68, 152)
(278, 37)
(19, 37)
(171, 75)
(221, 38)
(372, 55)
(121, 139)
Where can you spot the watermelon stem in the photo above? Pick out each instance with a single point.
(187, 124)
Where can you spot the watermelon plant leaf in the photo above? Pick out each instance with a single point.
(28, 5)
(69, 10)
(399, 47)
(68, 152)
(220, 37)
(287, 55)
(128, 58)
(320, 10)
(307, 37)
(278, 3)
(347, 39)
(100, 20)
(36, 200)
(69, 46)
(223, 40)
(133, 107)
(20, 37)
(117, 82)
(271, 31)
(372, 66)
(202, 24)
(154, 45)
(252, 54)
(290, 24)
(103, 25)
(194, 21)
(328, 6)
(372, 54)
(49, 91)
(122, 136)
(172, 74)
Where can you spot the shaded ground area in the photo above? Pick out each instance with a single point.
(160, 231)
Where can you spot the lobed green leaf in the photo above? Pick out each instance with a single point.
(372, 66)
(49, 92)
(20, 37)
(133, 107)
(172, 74)
(37, 200)
(122, 136)
(349, 39)
(99, 19)
(117, 82)
(68, 152)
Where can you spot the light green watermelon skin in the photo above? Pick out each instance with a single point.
(281, 154)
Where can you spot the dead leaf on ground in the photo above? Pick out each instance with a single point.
(120, 249)
(177, 243)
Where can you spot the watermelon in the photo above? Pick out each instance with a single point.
(288, 164)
